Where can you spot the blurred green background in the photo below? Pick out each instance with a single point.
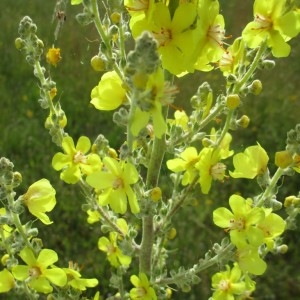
(28, 145)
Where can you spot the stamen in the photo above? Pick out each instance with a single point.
(163, 37)
(79, 157)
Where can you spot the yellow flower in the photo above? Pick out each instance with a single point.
(251, 163)
(40, 198)
(176, 39)
(150, 106)
(93, 216)
(75, 280)
(109, 94)
(53, 56)
(7, 281)
(142, 289)
(185, 162)
(114, 254)
(74, 162)
(39, 272)
(273, 23)
(180, 119)
(228, 283)
(211, 34)
(115, 182)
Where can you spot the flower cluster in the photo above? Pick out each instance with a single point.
(205, 166)
(189, 38)
(273, 23)
(249, 228)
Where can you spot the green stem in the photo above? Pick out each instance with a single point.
(17, 222)
(156, 158)
(93, 201)
(211, 115)
(226, 127)
(98, 25)
(121, 285)
(122, 41)
(104, 38)
(181, 199)
(239, 85)
(41, 77)
(200, 267)
(269, 191)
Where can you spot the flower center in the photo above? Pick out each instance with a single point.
(141, 292)
(79, 157)
(111, 249)
(265, 23)
(118, 183)
(35, 272)
(138, 5)
(226, 60)
(237, 224)
(216, 33)
(163, 37)
(169, 93)
(218, 171)
(224, 285)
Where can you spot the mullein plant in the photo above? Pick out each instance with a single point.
(122, 187)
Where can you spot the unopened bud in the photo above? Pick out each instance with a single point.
(207, 142)
(231, 78)
(282, 249)
(17, 179)
(256, 87)
(19, 43)
(115, 17)
(233, 101)
(98, 63)
(243, 121)
(155, 194)
(288, 201)
(112, 153)
(283, 159)
(4, 259)
(268, 64)
(172, 233)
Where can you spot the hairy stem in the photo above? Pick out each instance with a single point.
(156, 158)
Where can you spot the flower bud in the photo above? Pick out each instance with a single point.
(233, 101)
(283, 159)
(231, 78)
(19, 43)
(282, 249)
(40, 43)
(275, 204)
(172, 233)
(155, 194)
(115, 17)
(84, 18)
(288, 201)
(243, 121)
(207, 142)
(112, 153)
(268, 64)
(256, 87)
(4, 259)
(17, 179)
(98, 63)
